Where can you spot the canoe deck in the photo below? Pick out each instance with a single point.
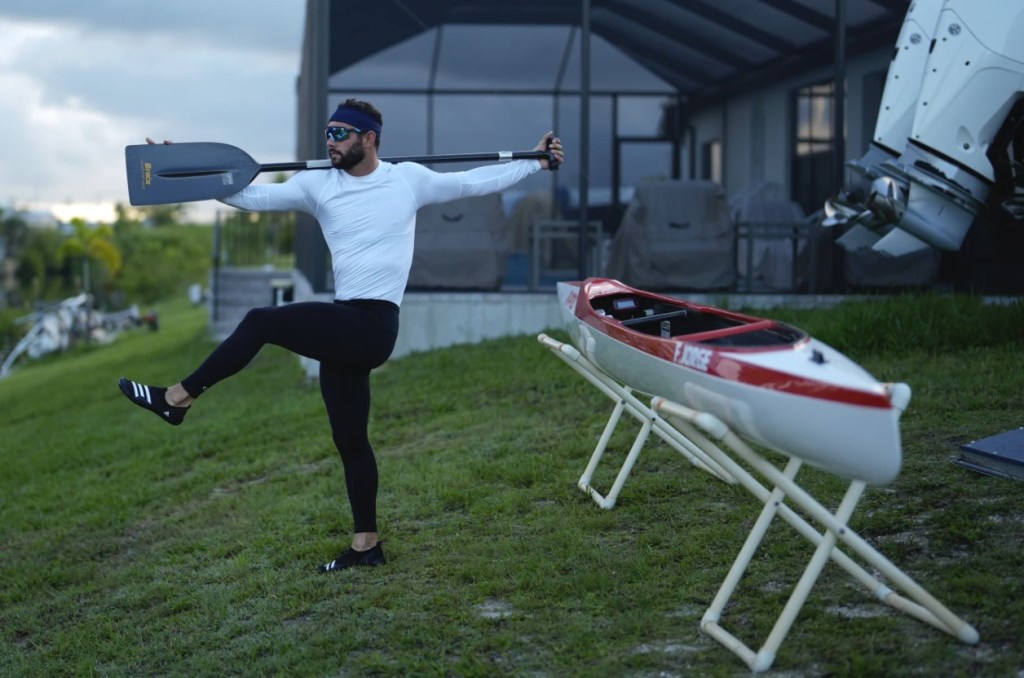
(693, 323)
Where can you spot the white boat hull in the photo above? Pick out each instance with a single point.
(855, 441)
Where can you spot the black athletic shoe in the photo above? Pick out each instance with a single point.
(152, 398)
(351, 558)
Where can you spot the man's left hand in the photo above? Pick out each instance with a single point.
(552, 144)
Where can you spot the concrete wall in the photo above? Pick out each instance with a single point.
(435, 320)
(237, 290)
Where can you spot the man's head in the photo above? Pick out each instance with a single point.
(354, 129)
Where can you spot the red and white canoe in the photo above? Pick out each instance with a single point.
(768, 381)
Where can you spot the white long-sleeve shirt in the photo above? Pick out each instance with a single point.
(369, 222)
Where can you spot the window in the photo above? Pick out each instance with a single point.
(813, 145)
(711, 160)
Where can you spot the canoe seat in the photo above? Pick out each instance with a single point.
(658, 317)
(684, 323)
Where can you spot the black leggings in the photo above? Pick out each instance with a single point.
(349, 338)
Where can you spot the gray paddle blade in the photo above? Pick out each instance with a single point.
(159, 174)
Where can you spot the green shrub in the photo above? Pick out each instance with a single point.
(10, 332)
(162, 262)
(914, 322)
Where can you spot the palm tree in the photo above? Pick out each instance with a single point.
(92, 243)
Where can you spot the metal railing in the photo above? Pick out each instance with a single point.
(246, 239)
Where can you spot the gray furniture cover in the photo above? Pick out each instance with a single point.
(675, 235)
(771, 259)
(460, 244)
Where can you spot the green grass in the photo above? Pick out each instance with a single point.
(133, 548)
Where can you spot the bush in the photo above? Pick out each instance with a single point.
(42, 272)
(10, 333)
(928, 322)
(162, 262)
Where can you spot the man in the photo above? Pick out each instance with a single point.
(367, 211)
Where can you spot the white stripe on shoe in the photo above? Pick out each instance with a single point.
(141, 391)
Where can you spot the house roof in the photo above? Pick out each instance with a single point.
(704, 51)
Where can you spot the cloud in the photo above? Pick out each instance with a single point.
(47, 145)
(266, 26)
(79, 85)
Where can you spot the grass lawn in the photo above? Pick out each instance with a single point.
(134, 548)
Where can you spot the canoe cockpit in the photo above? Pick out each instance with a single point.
(693, 322)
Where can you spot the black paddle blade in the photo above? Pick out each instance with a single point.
(159, 174)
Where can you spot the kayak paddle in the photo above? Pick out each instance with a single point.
(159, 174)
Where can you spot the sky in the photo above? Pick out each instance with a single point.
(79, 81)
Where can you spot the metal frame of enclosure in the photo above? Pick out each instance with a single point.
(706, 51)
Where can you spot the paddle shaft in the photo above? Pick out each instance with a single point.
(499, 156)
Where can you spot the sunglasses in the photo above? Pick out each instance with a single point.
(339, 134)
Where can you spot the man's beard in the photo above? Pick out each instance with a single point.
(348, 160)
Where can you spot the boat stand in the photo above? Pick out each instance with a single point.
(626, 401)
(699, 428)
